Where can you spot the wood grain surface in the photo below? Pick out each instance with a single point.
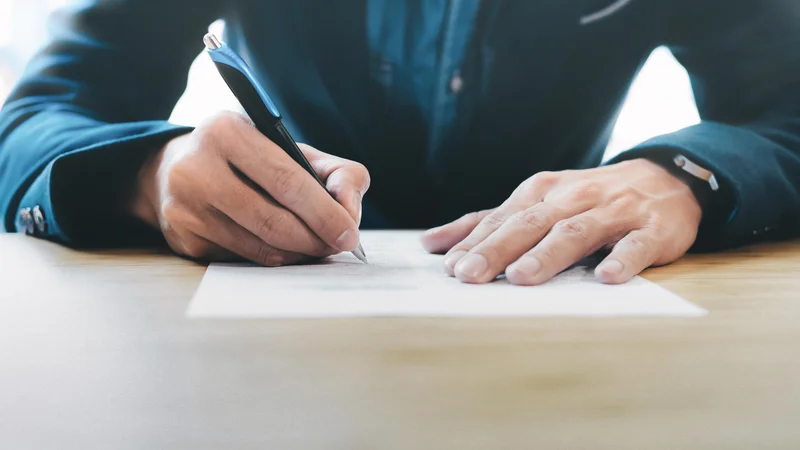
(97, 353)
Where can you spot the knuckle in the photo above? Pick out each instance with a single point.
(288, 183)
(657, 221)
(543, 178)
(546, 254)
(633, 194)
(174, 242)
(538, 185)
(639, 244)
(473, 217)
(327, 167)
(576, 228)
(181, 176)
(624, 205)
(173, 213)
(495, 220)
(539, 181)
(270, 227)
(363, 174)
(214, 131)
(587, 191)
(331, 224)
(205, 136)
(631, 211)
(268, 255)
(534, 219)
(176, 215)
(213, 127)
(225, 120)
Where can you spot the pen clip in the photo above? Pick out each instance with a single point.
(236, 71)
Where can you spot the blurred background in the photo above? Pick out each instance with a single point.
(660, 100)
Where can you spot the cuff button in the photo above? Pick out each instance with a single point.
(38, 219)
(25, 221)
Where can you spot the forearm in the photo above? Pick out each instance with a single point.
(88, 111)
(78, 171)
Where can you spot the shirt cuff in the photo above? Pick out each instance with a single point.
(740, 212)
(79, 198)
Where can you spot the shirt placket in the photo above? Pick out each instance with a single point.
(450, 81)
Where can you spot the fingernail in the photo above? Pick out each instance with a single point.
(347, 241)
(452, 259)
(472, 266)
(611, 267)
(524, 270)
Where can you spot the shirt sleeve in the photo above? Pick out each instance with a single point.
(743, 61)
(89, 109)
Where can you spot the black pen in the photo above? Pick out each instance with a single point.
(259, 106)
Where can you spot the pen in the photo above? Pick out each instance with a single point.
(259, 106)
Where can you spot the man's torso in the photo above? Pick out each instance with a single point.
(449, 103)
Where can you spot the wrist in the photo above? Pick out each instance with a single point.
(141, 202)
(700, 190)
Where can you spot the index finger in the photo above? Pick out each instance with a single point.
(443, 238)
(289, 184)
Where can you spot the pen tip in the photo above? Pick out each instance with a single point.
(359, 253)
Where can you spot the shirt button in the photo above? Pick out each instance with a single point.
(38, 219)
(456, 83)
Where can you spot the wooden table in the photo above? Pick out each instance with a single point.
(97, 354)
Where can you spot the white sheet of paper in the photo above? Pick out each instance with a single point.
(403, 280)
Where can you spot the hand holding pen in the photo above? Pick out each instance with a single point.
(226, 191)
(259, 106)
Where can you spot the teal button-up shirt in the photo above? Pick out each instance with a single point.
(449, 103)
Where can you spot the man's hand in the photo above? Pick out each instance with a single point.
(226, 192)
(636, 208)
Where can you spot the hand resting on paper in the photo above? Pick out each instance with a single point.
(636, 209)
